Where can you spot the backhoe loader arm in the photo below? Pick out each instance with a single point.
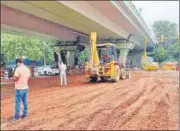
(94, 58)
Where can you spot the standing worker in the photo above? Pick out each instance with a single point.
(62, 71)
(21, 77)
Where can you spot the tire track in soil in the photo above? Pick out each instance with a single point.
(100, 88)
(63, 125)
(130, 98)
(31, 124)
(82, 124)
(125, 119)
(88, 122)
(37, 91)
(120, 95)
(146, 111)
(68, 100)
(51, 91)
(157, 120)
(146, 101)
(140, 98)
(85, 101)
(123, 107)
(112, 109)
(107, 93)
(80, 103)
(154, 88)
(70, 106)
(75, 120)
(86, 94)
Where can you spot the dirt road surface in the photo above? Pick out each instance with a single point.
(147, 101)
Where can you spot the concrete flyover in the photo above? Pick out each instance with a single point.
(65, 20)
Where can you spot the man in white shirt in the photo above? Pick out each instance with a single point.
(62, 71)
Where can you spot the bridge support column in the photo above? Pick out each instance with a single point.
(70, 54)
(70, 57)
(136, 59)
(57, 51)
(124, 50)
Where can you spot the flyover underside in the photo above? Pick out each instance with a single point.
(84, 16)
(65, 21)
(17, 22)
(69, 18)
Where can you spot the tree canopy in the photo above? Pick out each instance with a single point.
(166, 28)
(13, 46)
(168, 50)
(160, 54)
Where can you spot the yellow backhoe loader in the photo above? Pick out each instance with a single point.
(104, 62)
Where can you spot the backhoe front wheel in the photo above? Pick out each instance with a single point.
(123, 74)
(116, 73)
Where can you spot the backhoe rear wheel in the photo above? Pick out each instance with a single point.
(123, 74)
(116, 73)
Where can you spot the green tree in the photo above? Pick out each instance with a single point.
(168, 50)
(13, 46)
(160, 54)
(166, 28)
(173, 52)
(83, 57)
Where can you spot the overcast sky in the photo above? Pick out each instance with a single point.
(158, 10)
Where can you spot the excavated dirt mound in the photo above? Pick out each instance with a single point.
(147, 101)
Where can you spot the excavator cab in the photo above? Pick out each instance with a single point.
(107, 53)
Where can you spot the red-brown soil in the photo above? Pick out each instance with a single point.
(147, 101)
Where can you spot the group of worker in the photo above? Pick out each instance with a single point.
(21, 77)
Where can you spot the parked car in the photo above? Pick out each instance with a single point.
(47, 70)
(38, 71)
(51, 70)
(55, 70)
